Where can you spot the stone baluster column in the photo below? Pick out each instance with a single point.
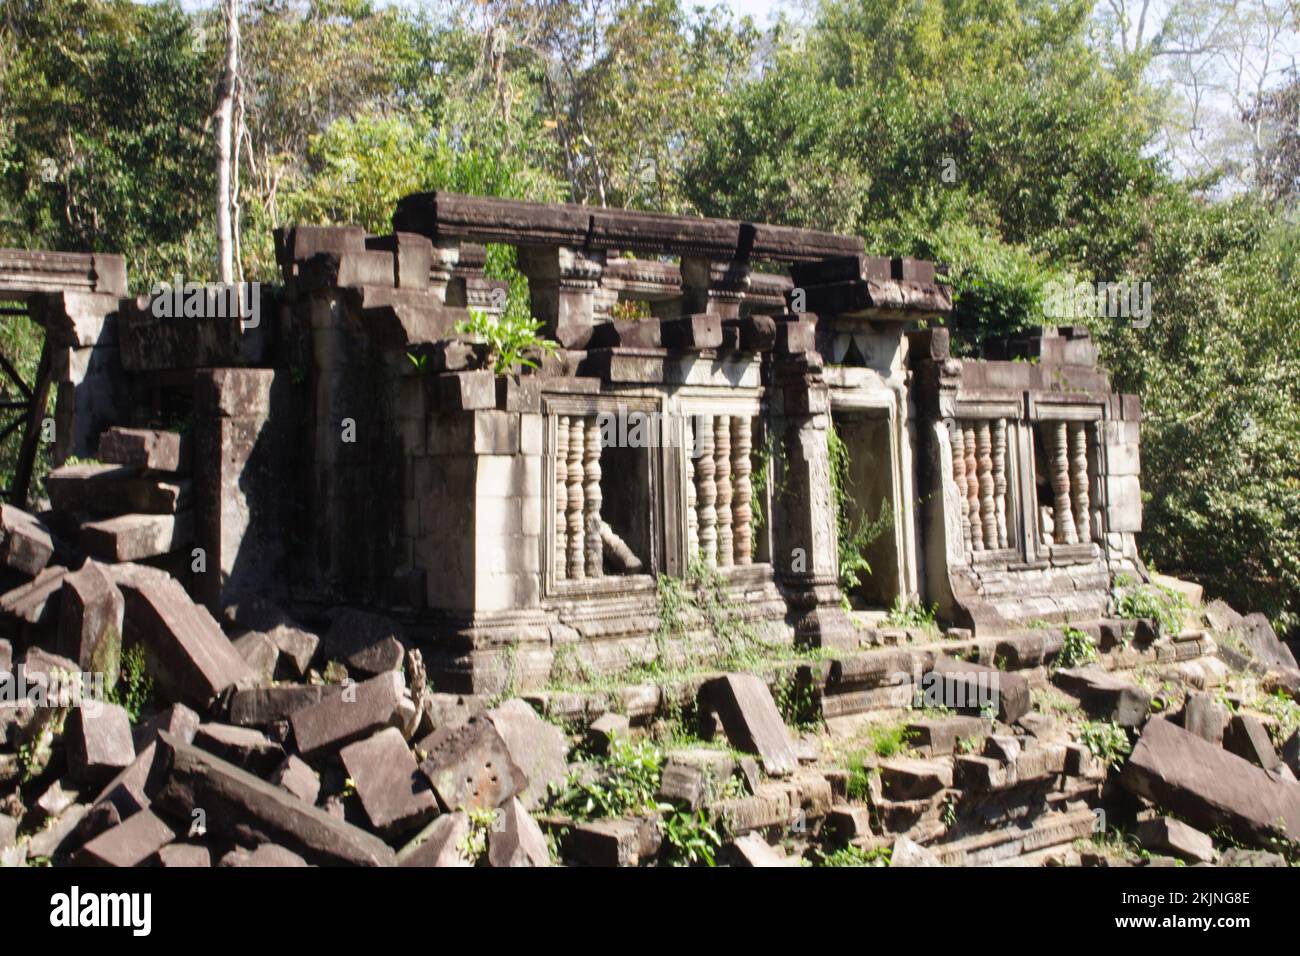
(591, 500)
(959, 478)
(692, 519)
(1000, 478)
(1079, 480)
(742, 489)
(561, 496)
(577, 564)
(706, 492)
(984, 461)
(1063, 530)
(722, 481)
(973, 488)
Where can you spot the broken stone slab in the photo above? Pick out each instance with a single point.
(1205, 717)
(58, 837)
(516, 840)
(130, 843)
(177, 720)
(1210, 787)
(260, 654)
(393, 793)
(357, 711)
(36, 602)
(56, 798)
(265, 855)
(97, 739)
(470, 766)
(242, 746)
(188, 655)
(1261, 641)
(1247, 738)
(185, 855)
(240, 807)
(915, 779)
(297, 649)
(25, 543)
(8, 831)
(1291, 752)
(90, 621)
(536, 747)
(297, 776)
(614, 842)
(750, 720)
(102, 491)
(1240, 856)
(752, 850)
(848, 822)
(134, 537)
(942, 735)
(260, 706)
(607, 728)
(1167, 835)
(908, 852)
(145, 448)
(966, 686)
(1105, 696)
(681, 783)
(367, 643)
(441, 843)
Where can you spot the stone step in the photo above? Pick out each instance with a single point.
(999, 846)
(146, 448)
(105, 490)
(134, 537)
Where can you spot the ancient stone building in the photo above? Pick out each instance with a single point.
(348, 446)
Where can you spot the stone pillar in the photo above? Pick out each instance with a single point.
(706, 491)
(1079, 480)
(1000, 478)
(591, 500)
(713, 288)
(575, 472)
(562, 286)
(561, 496)
(973, 487)
(692, 519)
(742, 490)
(988, 510)
(1058, 449)
(722, 481)
(958, 441)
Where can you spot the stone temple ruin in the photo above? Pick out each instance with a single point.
(342, 460)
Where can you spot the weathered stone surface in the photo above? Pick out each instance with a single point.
(1205, 717)
(1167, 835)
(914, 779)
(25, 543)
(848, 822)
(145, 448)
(104, 490)
(614, 842)
(1209, 787)
(259, 706)
(98, 742)
(241, 746)
(297, 648)
(8, 831)
(1105, 696)
(752, 850)
(260, 654)
(90, 621)
(297, 776)
(681, 783)
(394, 794)
(606, 728)
(441, 843)
(516, 839)
(130, 843)
(1247, 738)
(470, 766)
(58, 837)
(240, 807)
(941, 735)
(1240, 856)
(188, 655)
(184, 855)
(177, 720)
(266, 855)
(1257, 634)
(367, 643)
(37, 601)
(134, 537)
(962, 685)
(357, 711)
(537, 748)
(908, 852)
(750, 720)
(1291, 752)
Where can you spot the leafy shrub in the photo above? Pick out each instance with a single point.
(853, 856)
(1107, 741)
(691, 838)
(513, 342)
(134, 688)
(1077, 649)
(626, 783)
(1134, 600)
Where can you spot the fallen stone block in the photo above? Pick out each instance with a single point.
(241, 808)
(177, 720)
(145, 448)
(1291, 752)
(1261, 641)
(516, 839)
(681, 783)
(297, 649)
(134, 537)
(98, 742)
(188, 655)
(1209, 787)
(1105, 696)
(908, 852)
(752, 850)
(58, 837)
(1205, 717)
(606, 728)
(130, 843)
(750, 720)
(1167, 835)
(915, 779)
(266, 855)
(614, 842)
(366, 643)
(536, 747)
(394, 795)
(36, 602)
(8, 831)
(184, 855)
(1240, 856)
(470, 766)
(357, 711)
(260, 706)
(942, 735)
(102, 491)
(241, 746)
(90, 621)
(297, 776)
(25, 543)
(441, 843)
(965, 686)
(1247, 738)
(849, 822)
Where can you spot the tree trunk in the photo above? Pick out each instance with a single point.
(225, 136)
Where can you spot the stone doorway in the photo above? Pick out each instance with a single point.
(867, 470)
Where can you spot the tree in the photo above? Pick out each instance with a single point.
(227, 93)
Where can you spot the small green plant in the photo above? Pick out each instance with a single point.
(1284, 710)
(134, 687)
(854, 856)
(798, 703)
(949, 816)
(854, 533)
(420, 361)
(1163, 605)
(912, 615)
(890, 740)
(1107, 741)
(691, 838)
(513, 342)
(1076, 649)
(473, 845)
(625, 783)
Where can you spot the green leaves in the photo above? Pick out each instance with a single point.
(513, 342)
